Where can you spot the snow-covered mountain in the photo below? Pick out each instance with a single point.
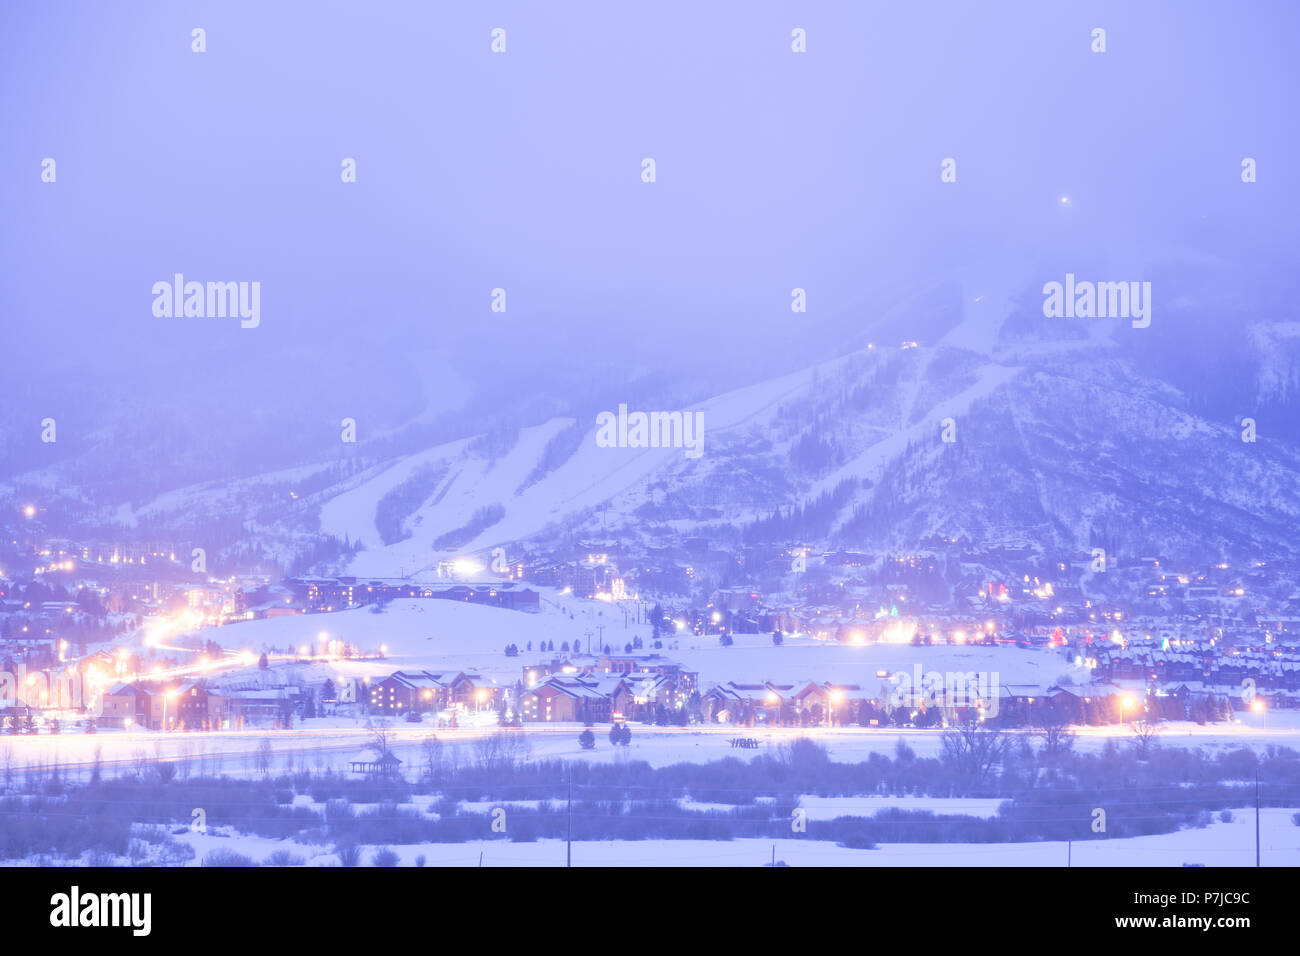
(1006, 429)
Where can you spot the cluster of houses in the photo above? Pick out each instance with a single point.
(419, 692)
(649, 687)
(582, 688)
(1273, 674)
(329, 594)
(194, 706)
(1009, 705)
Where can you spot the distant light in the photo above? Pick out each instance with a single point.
(1065, 200)
(30, 511)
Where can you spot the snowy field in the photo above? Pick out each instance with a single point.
(328, 743)
(437, 635)
(1219, 844)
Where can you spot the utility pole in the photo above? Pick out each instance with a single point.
(1069, 853)
(568, 849)
(1257, 816)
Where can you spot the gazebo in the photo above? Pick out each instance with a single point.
(372, 761)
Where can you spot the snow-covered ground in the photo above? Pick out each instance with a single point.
(444, 635)
(1219, 844)
(329, 743)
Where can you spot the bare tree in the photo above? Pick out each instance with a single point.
(380, 735)
(1144, 733)
(264, 752)
(1052, 724)
(432, 748)
(973, 751)
(501, 751)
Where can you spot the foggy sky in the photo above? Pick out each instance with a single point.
(522, 171)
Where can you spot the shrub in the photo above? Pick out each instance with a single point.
(385, 856)
(227, 858)
(284, 858)
(349, 854)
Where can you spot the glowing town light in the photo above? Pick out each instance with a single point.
(30, 511)
(1257, 705)
(466, 566)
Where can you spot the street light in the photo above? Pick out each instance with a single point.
(169, 695)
